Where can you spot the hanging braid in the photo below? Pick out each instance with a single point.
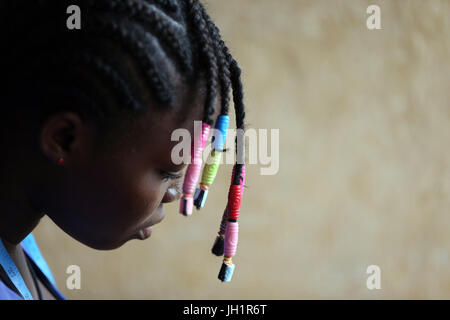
(238, 94)
(224, 58)
(197, 12)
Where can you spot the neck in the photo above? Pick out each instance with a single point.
(17, 217)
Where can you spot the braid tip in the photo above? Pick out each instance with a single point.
(186, 205)
(226, 272)
(219, 245)
(200, 198)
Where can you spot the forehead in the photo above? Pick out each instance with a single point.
(152, 130)
(157, 122)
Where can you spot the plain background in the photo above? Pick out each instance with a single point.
(364, 173)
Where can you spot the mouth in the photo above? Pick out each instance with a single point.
(146, 231)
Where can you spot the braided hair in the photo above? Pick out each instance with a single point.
(167, 39)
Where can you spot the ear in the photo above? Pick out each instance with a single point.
(63, 136)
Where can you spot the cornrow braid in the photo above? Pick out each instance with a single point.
(108, 73)
(144, 47)
(170, 33)
(170, 5)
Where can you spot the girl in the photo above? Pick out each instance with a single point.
(88, 115)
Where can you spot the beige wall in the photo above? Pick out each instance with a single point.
(364, 165)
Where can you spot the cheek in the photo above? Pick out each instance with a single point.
(146, 196)
(132, 200)
(110, 207)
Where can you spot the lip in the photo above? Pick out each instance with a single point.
(145, 233)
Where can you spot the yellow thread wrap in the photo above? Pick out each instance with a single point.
(211, 168)
(227, 261)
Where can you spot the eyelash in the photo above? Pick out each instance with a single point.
(166, 176)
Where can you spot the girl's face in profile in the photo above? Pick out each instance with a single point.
(105, 194)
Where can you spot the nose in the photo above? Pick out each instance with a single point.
(173, 193)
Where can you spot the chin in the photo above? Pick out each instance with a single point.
(104, 244)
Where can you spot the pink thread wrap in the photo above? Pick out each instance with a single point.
(233, 208)
(205, 134)
(193, 171)
(191, 177)
(186, 205)
(231, 239)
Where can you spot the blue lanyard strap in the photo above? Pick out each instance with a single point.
(13, 273)
(31, 248)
